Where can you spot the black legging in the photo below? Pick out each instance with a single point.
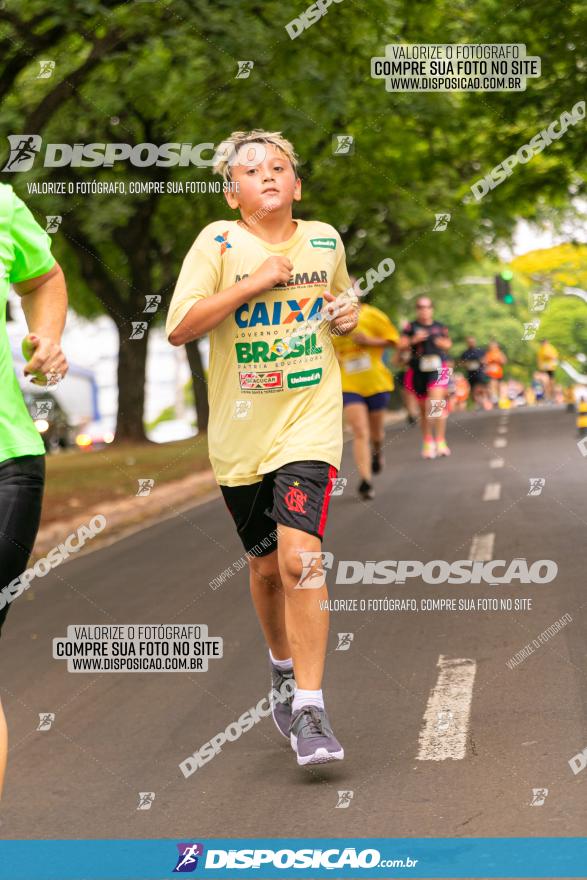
(21, 497)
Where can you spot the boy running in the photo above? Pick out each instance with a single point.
(259, 286)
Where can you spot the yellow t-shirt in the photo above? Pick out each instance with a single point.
(547, 357)
(270, 403)
(361, 366)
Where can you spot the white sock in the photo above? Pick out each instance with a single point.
(283, 665)
(307, 698)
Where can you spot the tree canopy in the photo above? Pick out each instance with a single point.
(167, 72)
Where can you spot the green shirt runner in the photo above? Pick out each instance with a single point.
(25, 252)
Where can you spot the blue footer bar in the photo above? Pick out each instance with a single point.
(273, 858)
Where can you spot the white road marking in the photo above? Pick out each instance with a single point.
(482, 547)
(492, 492)
(500, 442)
(447, 716)
(502, 429)
(497, 462)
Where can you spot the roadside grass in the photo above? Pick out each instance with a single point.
(77, 480)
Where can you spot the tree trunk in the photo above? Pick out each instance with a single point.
(132, 362)
(200, 385)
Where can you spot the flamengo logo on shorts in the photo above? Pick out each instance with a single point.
(304, 378)
(261, 381)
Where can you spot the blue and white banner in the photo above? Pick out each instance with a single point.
(369, 858)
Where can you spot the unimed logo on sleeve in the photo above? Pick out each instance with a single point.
(304, 378)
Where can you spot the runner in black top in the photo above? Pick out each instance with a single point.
(427, 377)
(472, 360)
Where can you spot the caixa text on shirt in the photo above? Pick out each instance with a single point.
(278, 312)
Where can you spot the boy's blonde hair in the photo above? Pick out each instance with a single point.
(228, 149)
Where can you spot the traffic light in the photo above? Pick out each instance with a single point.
(503, 287)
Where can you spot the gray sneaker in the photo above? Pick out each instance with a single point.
(312, 738)
(281, 711)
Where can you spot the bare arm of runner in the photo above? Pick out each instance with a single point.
(208, 313)
(345, 311)
(44, 302)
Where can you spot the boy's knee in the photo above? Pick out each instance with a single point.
(303, 569)
(265, 567)
(291, 565)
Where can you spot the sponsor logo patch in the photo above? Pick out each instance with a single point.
(304, 378)
(224, 242)
(266, 381)
(326, 243)
(263, 353)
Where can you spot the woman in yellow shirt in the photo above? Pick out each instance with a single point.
(366, 389)
(547, 363)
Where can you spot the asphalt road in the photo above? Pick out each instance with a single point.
(501, 732)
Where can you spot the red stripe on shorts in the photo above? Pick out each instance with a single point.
(332, 472)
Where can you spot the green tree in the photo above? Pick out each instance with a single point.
(166, 72)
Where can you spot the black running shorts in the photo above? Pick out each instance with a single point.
(295, 495)
(21, 496)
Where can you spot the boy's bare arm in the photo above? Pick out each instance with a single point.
(208, 313)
